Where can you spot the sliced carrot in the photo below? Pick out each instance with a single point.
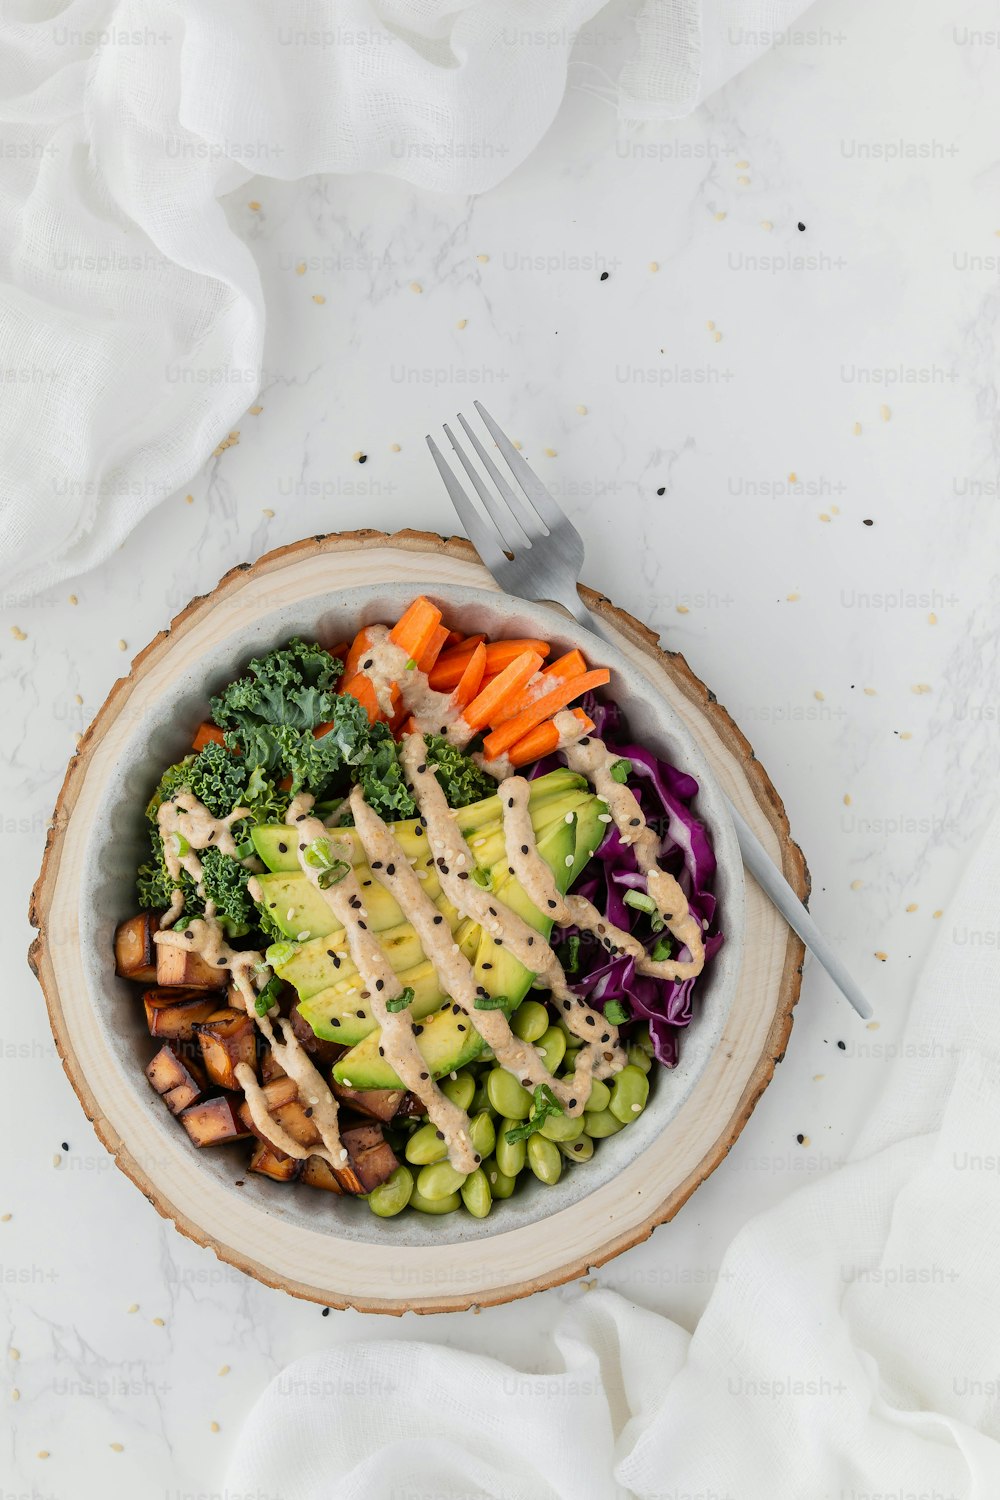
(434, 648)
(471, 679)
(415, 628)
(352, 661)
(499, 654)
(543, 708)
(455, 638)
(489, 701)
(340, 650)
(542, 740)
(362, 688)
(571, 665)
(207, 734)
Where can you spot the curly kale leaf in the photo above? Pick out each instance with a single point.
(214, 775)
(460, 778)
(224, 881)
(381, 778)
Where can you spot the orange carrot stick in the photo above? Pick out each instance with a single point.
(352, 662)
(471, 679)
(499, 654)
(434, 648)
(571, 665)
(542, 740)
(207, 734)
(543, 708)
(340, 650)
(414, 629)
(489, 701)
(362, 688)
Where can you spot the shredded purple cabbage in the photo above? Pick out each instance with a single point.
(665, 795)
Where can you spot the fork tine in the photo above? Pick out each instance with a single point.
(526, 518)
(482, 536)
(501, 518)
(526, 477)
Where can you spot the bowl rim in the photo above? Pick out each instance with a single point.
(760, 785)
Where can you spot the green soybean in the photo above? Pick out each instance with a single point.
(544, 1159)
(507, 1096)
(530, 1021)
(424, 1146)
(642, 1038)
(480, 1099)
(501, 1186)
(435, 1205)
(439, 1180)
(637, 1058)
(510, 1154)
(629, 1093)
(482, 1134)
(581, 1149)
(602, 1124)
(392, 1196)
(562, 1127)
(459, 1090)
(599, 1097)
(552, 1046)
(569, 1061)
(476, 1194)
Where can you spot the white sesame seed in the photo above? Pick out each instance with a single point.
(604, 818)
(570, 859)
(300, 937)
(569, 817)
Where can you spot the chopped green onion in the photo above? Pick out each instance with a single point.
(401, 1001)
(621, 770)
(544, 1104)
(662, 950)
(281, 953)
(483, 878)
(268, 997)
(491, 1002)
(640, 901)
(569, 954)
(244, 850)
(411, 665)
(319, 855)
(184, 922)
(333, 874)
(181, 845)
(616, 1013)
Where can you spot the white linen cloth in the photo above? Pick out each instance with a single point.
(850, 1349)
(131, 313)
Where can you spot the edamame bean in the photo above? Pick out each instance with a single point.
(434, 1205)
(552, 1046)
(530, 1021)
(392, 1196)
(602, 1124)
(425, 1145)
(476, 1194)
(501, 1186)
(544, 1159)
(459, 1090)
(562, 1127)
(578, 1150)
(639, 1059)
(507, 1096)
(599, 1097)
(642, 1038)
(629, 1093)
(480, 1099)
(482, 1134)
(569, 1061)
(439, 1180)
(510, 1154)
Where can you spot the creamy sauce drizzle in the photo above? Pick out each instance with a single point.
(184, 817)
(384, 664)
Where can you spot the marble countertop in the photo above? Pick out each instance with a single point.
(775, 424)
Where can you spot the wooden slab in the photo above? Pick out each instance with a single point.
(322, 1267)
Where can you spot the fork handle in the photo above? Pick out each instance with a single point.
(759, 862)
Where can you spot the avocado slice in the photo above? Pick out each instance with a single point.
(277, 843)
(449, 1040)
(340, 1015)
(296, 906)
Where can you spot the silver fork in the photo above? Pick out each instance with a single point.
(534, 551)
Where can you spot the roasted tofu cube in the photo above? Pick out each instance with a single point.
(270, 1067)
(135, 951)
(323, 1053)
(274, 1164)
(174, 1013)
(213, 1122)
(377, 1104)
(175, 965)
(284, 1106)
(226, 1039)
(177, 1079)
(318, 1173)
(370, 1159)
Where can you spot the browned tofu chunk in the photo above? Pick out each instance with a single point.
(317, 1173)
(377, 1104)
(179, 966)
(226, 1039)
(371, 1159)
(284, 1106)
(174, 1013)
(213, 1122)
(274, 1164)
(135, 951)
(270, 1067)
(176, 1078)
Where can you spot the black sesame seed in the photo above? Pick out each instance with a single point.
(487, 966)
(326, 1310)
(369, 663)
(572, 1104)
(524, 848)
(390, 869)
(301, 847)
(363, 926)
(380, 984)
(459, 1027)
(634, 822)
(567, 1005)
(553, 905)
(842, 1046)
(381, 1052)
(800, 226)
(498, 942)
(309, 1112)
(589, 1020)
(282, 848)
(439, 1134)
(417, 1030)
(662, 490)
(463, 874)
(438, 920)
(801, 1139)
(334, 1021)
(604, 275)
(425, 1075)
(362, 1016)
(422, 768)
(868, 523)
(272, 904)
(376, 864)
(221, 962)
(585, 740)
(606, 1037)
